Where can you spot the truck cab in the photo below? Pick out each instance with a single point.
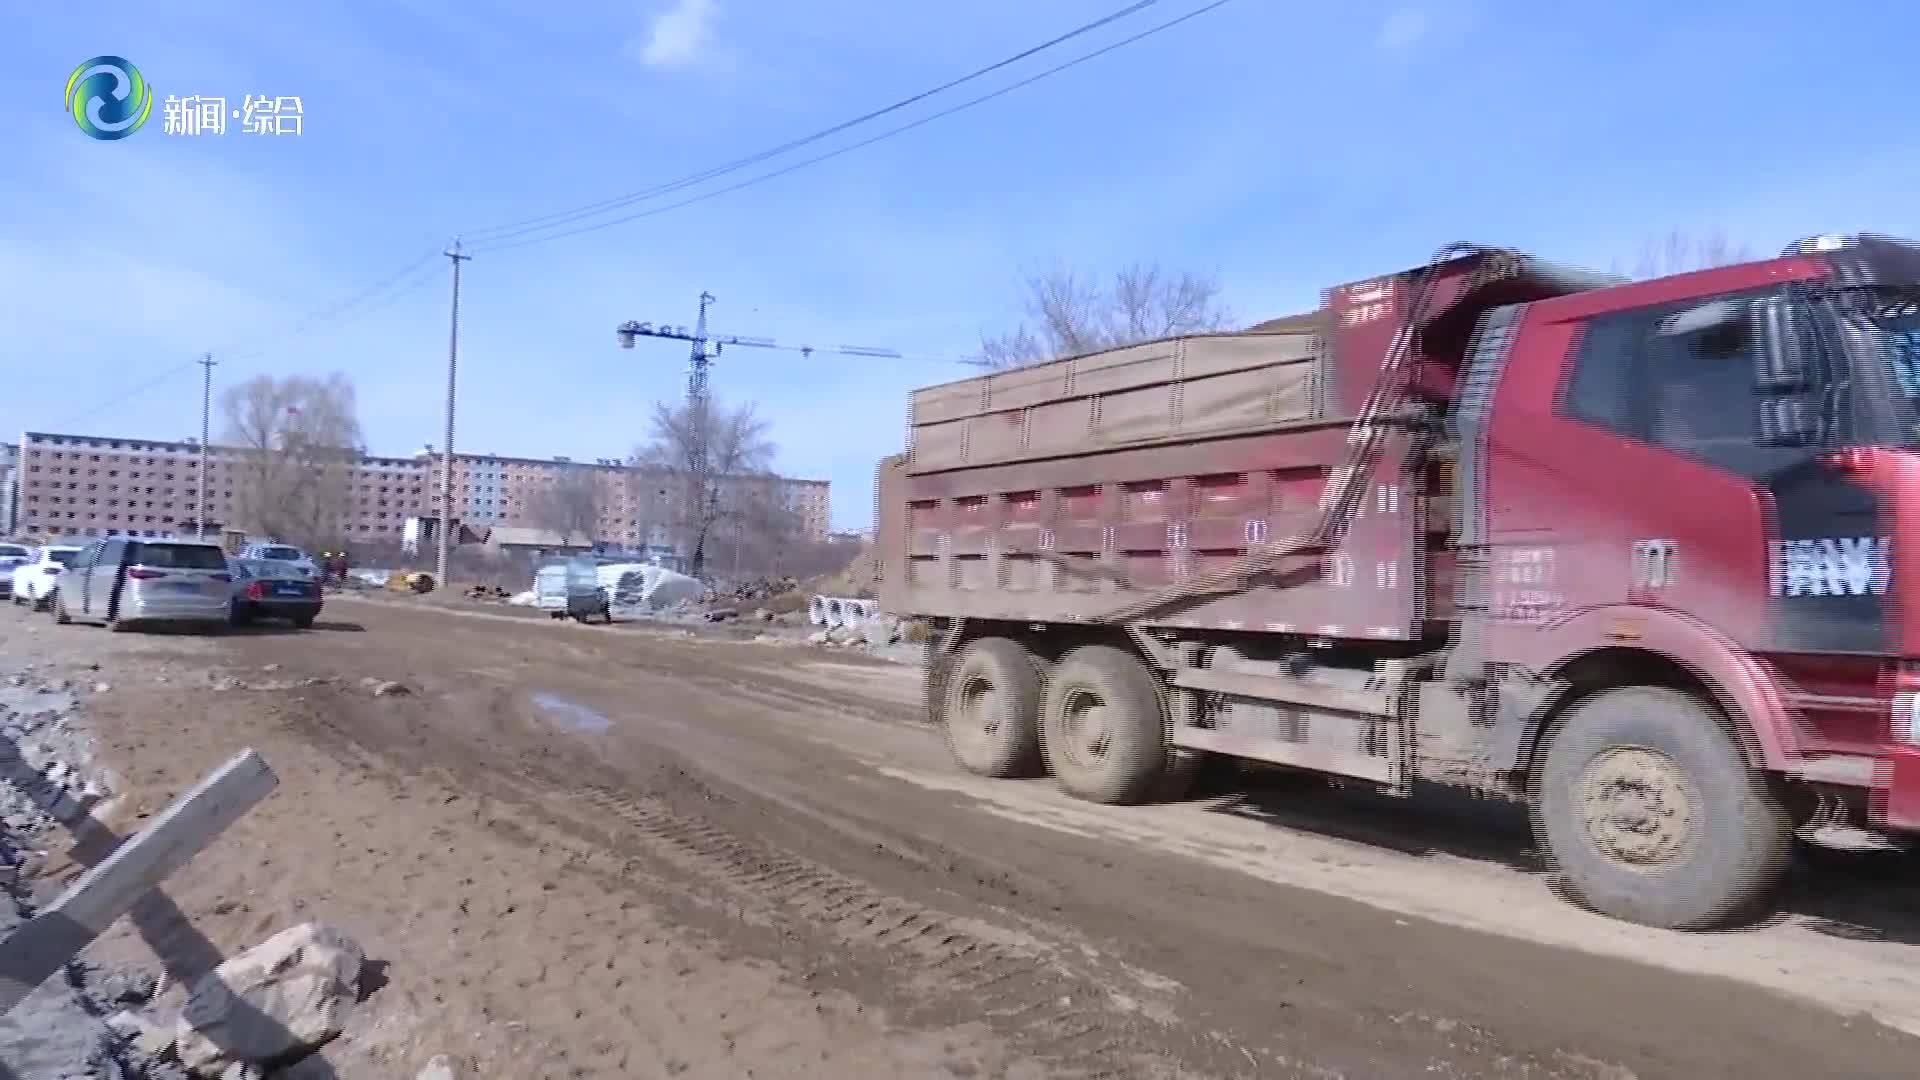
(1717, 469)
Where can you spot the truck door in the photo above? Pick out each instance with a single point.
(1640, 472)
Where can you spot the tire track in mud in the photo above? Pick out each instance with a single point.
(1053, 1015)
(1069, 1018)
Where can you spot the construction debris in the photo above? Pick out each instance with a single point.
(279, 1000)
(649, 587)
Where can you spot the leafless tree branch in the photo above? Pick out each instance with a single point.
(568, 504)
(1680, 252)
(738, 451)
(298, 438)
(1069, 314)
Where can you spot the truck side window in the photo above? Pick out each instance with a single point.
(1677, 376)
(1607, 371)
(1700, 384)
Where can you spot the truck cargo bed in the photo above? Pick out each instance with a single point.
(1160, 392)
(1064, 491)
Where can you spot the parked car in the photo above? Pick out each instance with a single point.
(11, 556)
(121, 581)
(274, 589)
(281, 553)
(571, 590)
(34, 581)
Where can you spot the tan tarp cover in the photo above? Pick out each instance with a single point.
(1161, 391)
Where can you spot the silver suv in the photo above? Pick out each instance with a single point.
(121, 581)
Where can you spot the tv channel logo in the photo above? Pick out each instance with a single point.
(108, 97)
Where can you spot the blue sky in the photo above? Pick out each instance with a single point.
(1283, 146)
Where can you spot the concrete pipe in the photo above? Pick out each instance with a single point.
(817, 611)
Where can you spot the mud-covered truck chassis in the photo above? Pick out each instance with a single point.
(1625, 551)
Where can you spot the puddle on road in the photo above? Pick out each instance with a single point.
(570, 715)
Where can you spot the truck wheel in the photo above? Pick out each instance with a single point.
(1103, 726)
(988, 709)
(1648, 812)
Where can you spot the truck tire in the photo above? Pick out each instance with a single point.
(1103, 728)
(989, 705)
(1647, 811)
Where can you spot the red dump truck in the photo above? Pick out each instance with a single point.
(1642, 555)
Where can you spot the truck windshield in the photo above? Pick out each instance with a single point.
(1891, 314)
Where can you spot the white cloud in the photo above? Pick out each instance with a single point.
(680, 36)
(1403, 29)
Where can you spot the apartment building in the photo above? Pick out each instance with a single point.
(93, 485)
(635, 505)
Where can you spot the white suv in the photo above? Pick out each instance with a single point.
(281, 553)
(34, 582)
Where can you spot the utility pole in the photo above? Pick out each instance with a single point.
(206, 416)
(445, 529)
(699, 461)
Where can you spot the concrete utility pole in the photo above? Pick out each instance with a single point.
(445, 529)
(206, 417)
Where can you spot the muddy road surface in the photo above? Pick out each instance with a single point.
(614, 851)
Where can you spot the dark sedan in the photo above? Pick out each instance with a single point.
(268, 589)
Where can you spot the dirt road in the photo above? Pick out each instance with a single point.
(585, 851)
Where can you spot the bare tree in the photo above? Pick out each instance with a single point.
(568, 504)
(1071, 314)
(757, 527)
(733, 442)
(1680, 252)
(297, 440)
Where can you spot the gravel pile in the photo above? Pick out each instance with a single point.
(48, 777)
(884, 637)
(46, 756)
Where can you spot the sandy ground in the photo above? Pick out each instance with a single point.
(608, 852)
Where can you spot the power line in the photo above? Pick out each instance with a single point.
(307, 327)
(129, 394)
(398, 285)
(888, 134)
(520, 228)
(394, 294)
(339, 310)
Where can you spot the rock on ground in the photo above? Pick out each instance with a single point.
(441, 1067)
(291, 993)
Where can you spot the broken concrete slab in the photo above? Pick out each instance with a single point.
(289, 994)
(147, 1035)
